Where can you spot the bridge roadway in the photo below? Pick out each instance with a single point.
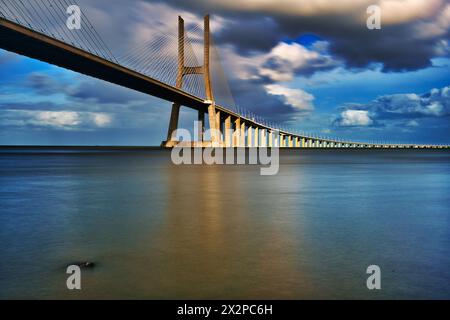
(24, 41)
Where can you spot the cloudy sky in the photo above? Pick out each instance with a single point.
(312, 66)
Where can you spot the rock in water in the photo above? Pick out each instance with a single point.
(84, 264)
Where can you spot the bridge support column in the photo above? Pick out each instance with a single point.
(242, 135)
(270, 139)
(276, 139)
(213, 125)
(297, 142)
(237, 133)
(219, 128)
(173, 125)
(289, 141)
(256, 137)
(183, 70)
(201, 126)
(249, 137)
(228, 131)
(263, 138)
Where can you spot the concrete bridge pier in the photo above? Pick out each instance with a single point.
(201, 126)
(219, 128)
(242, 135)
(228, 131)
(237, 133)
(290, 141)
(249, 136)
(256, 137)
(276, 140)
(263, 138)
(173, 125)
(215, 138)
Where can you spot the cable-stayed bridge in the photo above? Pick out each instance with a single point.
(166, 67)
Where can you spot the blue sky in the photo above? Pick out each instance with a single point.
(314, 69)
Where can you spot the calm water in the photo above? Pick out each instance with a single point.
(156, 230)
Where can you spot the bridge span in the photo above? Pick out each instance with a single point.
(227, 128)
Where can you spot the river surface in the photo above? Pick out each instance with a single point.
(157, 231)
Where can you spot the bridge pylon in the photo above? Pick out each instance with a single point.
(184, 70)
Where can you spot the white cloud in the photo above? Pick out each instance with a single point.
(435, 103)
(297, 98)
(434, 109)
(58, 118)
(412, 123)
(64, 120)
(355, 118)
(281, 64)
(403, 109)
(101, 119)
(285, 60)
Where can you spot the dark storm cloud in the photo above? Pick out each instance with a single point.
(406, 44)
(270, 107)
(103, 92)
(392, 46)
(85, 90)
(247, 37)
(44, 84)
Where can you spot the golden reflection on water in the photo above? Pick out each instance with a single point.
(219, 243)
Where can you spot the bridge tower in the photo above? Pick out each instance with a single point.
(184, 70)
